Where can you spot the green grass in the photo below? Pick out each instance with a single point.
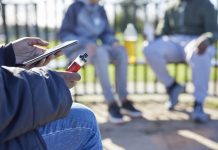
(140, 72)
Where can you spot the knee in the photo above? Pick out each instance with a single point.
(199, 59)
(121, 54)
(147, 51)
(83, 115)
(101, 55)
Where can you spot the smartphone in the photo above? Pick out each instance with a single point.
(51, 51)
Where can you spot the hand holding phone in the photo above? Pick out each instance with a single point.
(27, 47)
(48, 53)
(77, 63)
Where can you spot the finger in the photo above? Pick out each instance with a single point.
(48, 59)
(73, 76)
(59, 54)
(36, 41)
(29, 66)
(69, 76)
(39, 63)
(38, 51)
(72, 84)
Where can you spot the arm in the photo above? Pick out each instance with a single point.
(210, 34)
(107, 36)
(30, 99)
(7, 56)
(210, 21)
(67, 30)
(163, 27)
(23, 49)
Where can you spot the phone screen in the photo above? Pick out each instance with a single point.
(51, 51)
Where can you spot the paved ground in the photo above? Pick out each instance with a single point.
(158, 129)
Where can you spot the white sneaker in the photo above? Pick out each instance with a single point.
(198, 114)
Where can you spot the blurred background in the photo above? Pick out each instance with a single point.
(42, 18)
(159, 129)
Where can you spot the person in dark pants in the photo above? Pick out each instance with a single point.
(86, 21)
(36, 110)
(187, 33)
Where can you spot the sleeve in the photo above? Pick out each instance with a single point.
(7, 56)
(29, 99)
(163, 27)
(210, 21)
(107, 36)
(67, 30)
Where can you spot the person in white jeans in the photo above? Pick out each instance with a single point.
(187, 33)
(177, 48)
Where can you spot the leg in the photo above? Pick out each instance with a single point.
(119, 57)
(78, 130)
(160, 52)
(101, 62)
(200, 66)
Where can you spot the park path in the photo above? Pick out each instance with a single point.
(158, 129)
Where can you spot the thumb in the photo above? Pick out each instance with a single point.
(36, 41)
(69, 76)
(73, 76)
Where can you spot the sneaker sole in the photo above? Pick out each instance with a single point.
(200, 119)
(130, 113)
(116, 120)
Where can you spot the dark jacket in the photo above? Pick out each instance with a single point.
(28, 99)
(190, 17)
(75, 26)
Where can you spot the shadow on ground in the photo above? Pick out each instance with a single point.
(158, 129)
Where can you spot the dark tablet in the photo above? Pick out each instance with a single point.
(51, 51)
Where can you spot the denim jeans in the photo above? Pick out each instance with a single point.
(78, 130)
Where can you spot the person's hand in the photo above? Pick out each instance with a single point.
(202, 43)
(69, 78)
(91, 49)
(43, 62)
(26, 48)
(29, 47)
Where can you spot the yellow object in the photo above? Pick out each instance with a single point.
(131, 50)
(130, 40)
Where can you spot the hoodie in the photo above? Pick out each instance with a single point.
(86, 23)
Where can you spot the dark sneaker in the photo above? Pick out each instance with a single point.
(114, 114)
(128, 109)
(173, 93)
(198, 114)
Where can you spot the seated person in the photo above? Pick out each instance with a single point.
(86, 21)
(188, 32)
(35, 105)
